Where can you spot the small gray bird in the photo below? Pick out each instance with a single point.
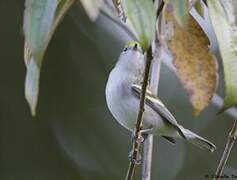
(123, 97)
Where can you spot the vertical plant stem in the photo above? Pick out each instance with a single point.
(137, 142)
(225, 155)
(154, 84)
(147, 158)
(148, 144)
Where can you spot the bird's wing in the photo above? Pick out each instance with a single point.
(153, 102)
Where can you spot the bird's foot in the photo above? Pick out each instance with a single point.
(144, 135)
(142, 138)
(137, 159)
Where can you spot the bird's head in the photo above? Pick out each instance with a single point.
(132, 59)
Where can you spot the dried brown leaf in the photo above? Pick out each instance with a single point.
(196, 66)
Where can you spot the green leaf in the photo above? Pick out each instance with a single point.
(223, 19)
(142, 16)
(92, 7)
(180, 8)
(32, 81)
(40, 21)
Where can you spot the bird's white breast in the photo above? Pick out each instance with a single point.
(124, 105)
(120, 102)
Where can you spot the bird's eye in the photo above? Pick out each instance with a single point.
(125, 49)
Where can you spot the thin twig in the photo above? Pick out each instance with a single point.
(147, 157)
(148, 144)
(160, 7)
(136, 144)
(154, 83)
(119, 8)
(229, 144)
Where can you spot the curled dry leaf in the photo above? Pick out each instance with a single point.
(196, 66)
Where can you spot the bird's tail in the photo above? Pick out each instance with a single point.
(197, 140)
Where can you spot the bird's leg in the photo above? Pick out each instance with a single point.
(146, 131)
(142, 138)
(144, 135)
(133, 138)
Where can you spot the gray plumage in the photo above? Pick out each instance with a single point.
(123, 97)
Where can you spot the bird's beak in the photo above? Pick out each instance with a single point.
(135, 47)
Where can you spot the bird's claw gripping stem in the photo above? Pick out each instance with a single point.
(136, 160)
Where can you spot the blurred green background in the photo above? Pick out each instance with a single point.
(74, 135)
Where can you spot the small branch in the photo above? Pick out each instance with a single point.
(229, 144)
(137, 143)
(147, 158)
(160, 9)
(148, 144)
(154, 84)
(119, 8)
